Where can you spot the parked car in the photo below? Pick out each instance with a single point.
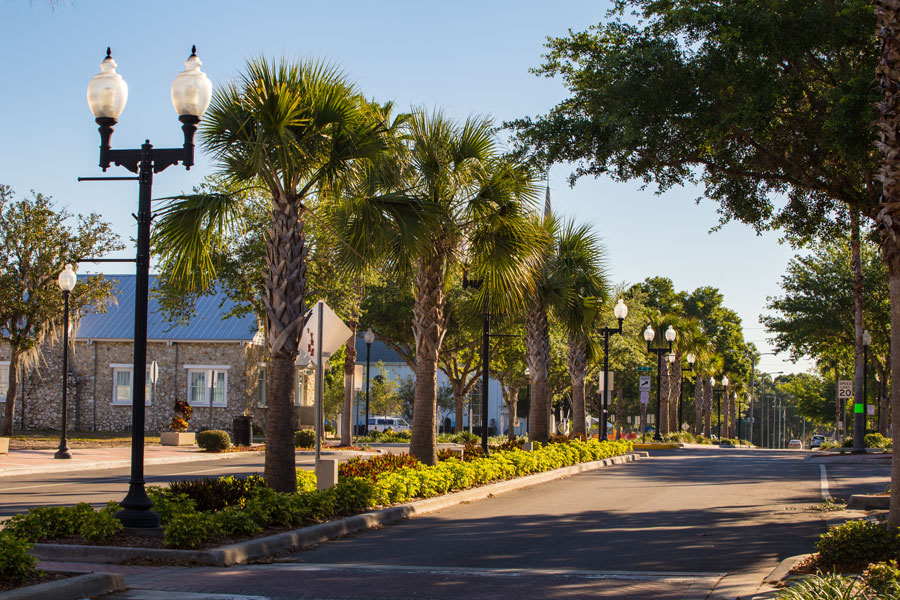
(795, 444)
(816, 441)
(395, 424)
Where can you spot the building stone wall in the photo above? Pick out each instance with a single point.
(91, 392)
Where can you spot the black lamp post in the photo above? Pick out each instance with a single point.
(738, 418)
(66, 282)
(485, 360)
(620, 311)
(859, 404)
(718, 393)
(649, 334)
(369, 337)
(867, 341)
(691, 359)
(107, 94)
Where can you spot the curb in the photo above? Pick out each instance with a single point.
(310, 536)
(869, 502)
(74, 588)
(780, 573)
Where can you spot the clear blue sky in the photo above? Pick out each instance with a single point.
(465, 57)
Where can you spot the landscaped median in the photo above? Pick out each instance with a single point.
(234, 520)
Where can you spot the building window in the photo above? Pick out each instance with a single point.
(301, 380)
(4, 380)
(207, 384)
(123, 384)
(261, 387)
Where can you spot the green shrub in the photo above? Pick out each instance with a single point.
(306, 481)
(876, 440)
(883, 578)
(190, 530)
(236, 521)
(16, 564)
(101, 524)
(167, 505)
(329, 428)
(823, 587)
(49, 522)
(305, 438)
(854, 544)
(214, 440)
(212, 494)
(354, 494)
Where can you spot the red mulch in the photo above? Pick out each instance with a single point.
(40, 577)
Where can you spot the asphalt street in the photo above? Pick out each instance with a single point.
(668, 527)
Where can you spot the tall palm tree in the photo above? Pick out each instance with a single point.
(287, 129)
(472, 206)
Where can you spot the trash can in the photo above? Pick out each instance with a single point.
(242, 430)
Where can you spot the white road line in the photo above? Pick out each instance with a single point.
(826, 496)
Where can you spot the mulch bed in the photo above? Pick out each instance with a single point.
(807, 566)
(40, 577)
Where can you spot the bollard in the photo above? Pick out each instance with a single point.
(326, 473)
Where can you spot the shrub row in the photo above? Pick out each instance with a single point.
(854, 544)
(872, 440)
(371, 468)
(49, 522)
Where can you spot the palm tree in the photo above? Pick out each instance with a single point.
(471, 209)
(287, 129)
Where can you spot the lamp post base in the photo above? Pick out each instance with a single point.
(63, 452)
(136, 508)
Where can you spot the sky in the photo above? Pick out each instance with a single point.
(464, 57)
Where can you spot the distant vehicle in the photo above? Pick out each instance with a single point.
(795, 444)
(395, 424)
(816, 441)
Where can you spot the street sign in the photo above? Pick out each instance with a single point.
(612, 379)
(334, 333)
(845, 389)
(645, 397)
(154, 372)
(644, 383)
(685, 426)
(872, 410)
(645, 369)
(358, 377)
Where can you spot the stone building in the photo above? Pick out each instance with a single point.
(215, 362)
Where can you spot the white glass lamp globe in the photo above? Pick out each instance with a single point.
(107, 92)
(192, 89)
(369, 336)
(712, 381)
(649, 334)
(691, 358)
(671, 357)
(67, 279)
(620, 310)
(670, 334)
(725, 381)
(866, 338)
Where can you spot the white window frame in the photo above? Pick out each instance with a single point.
(301, 380)
(210, 372)
(261, 384)
(129, 368)
(4, 366)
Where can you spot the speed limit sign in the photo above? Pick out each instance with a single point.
(845, 389)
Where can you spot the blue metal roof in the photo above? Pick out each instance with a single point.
(208, 324)
(379, 352)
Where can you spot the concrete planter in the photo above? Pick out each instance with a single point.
(177, 438)
(4, 445)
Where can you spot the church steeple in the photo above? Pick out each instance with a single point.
(547, 197)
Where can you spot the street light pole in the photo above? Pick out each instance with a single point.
(369, 337)
(670, 335)
(859, 405)
(867, 341)
(620, 311)
(66, 282)
(107, 94)
(719, 392)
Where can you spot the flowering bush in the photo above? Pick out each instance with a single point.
(183, 412)
(371, 468)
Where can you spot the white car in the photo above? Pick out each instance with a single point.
(395, 424)
(795, 444)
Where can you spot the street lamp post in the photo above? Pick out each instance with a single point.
(620, 311)
(649, 334)
(691, 359)
(66, 282)
(718, 392)
(859, 404)
(107, 94)
(369, 337)
(867, 341)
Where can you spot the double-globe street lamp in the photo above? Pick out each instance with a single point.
(718, 393)
(369, 337)
(620, 310)
(670, 335)
(107, 94)
(66, 282)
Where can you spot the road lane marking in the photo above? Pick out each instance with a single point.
(823, 483)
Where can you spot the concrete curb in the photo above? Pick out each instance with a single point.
(74, 588)
(310, 536)
(780, 573)
(869, 502)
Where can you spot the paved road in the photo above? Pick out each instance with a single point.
(665, 528)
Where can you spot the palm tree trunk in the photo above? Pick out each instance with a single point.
(698, 405)
(12, 390)
(285, 302)
(620, 412)
(888, 72)
(459, 401)
(663, 399)
(537, 344)
(511, 398)
(428, 331)
(349, 387)
(676, 380)
(577, 359)
(708, 401)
